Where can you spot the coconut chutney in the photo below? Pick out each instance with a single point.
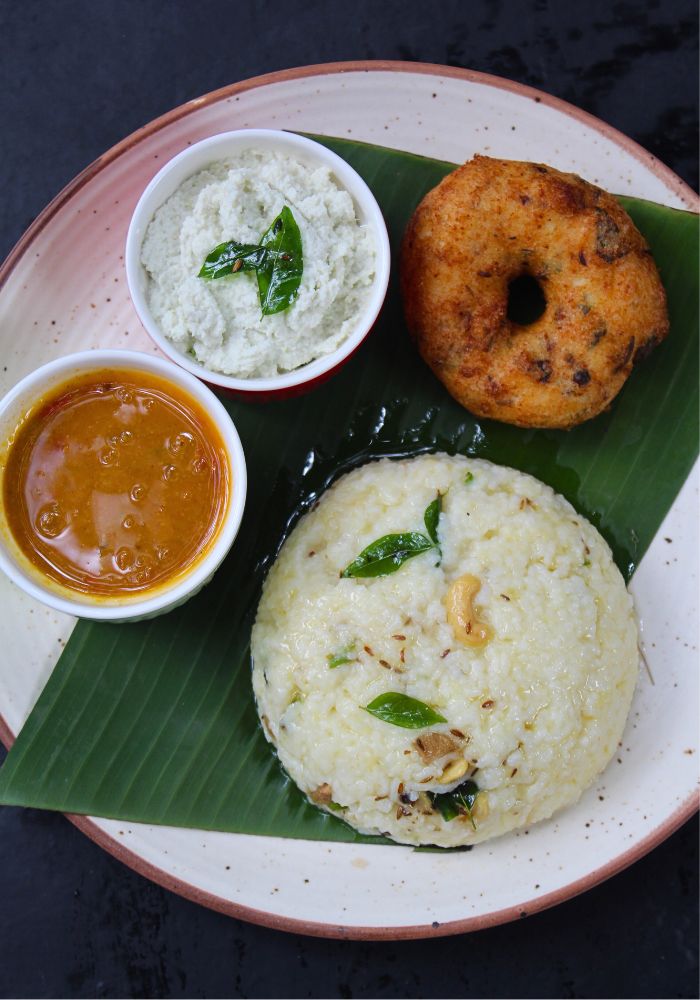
(219, 323)
(515, 633)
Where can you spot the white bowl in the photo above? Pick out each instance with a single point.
(20, 400)
(224, 146)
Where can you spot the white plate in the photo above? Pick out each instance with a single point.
(64, 290)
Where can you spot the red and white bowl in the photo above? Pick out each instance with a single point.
(224, 146)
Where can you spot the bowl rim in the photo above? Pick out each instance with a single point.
(57, 372)
(349, 178)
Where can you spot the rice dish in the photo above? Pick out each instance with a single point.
(525, 693)
(219, 323)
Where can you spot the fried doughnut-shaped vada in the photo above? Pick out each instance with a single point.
(492, 222)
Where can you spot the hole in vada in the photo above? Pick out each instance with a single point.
(526, 301)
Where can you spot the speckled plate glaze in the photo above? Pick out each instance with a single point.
(63, 289)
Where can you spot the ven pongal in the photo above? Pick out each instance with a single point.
(444, 651)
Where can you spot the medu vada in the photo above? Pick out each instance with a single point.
(492, 225)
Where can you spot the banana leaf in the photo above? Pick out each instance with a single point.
(155, 722)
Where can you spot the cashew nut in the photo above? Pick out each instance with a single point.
(454, 770)
(461, 615)
(481, 806)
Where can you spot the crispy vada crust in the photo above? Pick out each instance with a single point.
(491, 221)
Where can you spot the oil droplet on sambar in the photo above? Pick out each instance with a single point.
(123, 559)
(51, 520)
(181, 442)
(108, 456)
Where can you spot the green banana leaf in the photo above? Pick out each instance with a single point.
(155, 722)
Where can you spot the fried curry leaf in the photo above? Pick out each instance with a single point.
(279, 274)
(232, 258)
(432, 517)
(401, 710)
(277, 261)
(390, 552)
(459, 802)
(446, 805)
(387, 554)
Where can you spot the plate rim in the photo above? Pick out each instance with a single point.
(89, 826)
(312, 928)
(667, 176)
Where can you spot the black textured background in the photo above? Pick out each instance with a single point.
(77, 76)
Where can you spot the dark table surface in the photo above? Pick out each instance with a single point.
(78, 75)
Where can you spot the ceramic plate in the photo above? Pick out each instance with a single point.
(64, 289)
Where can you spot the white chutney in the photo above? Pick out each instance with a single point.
(219, 322)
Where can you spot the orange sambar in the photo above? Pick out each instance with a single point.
(115, 483)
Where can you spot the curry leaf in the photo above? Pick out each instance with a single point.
(401, 710)
(277, 261)
(232, 258)
(446, 805)
(387, 554)
(432, 517)
(279, 274)
(458, 802)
